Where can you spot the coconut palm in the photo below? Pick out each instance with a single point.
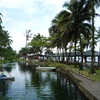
(23, 52)
(27, 36)
(98, 37)
(6, 40)
(73, 22)
(91, 5)
(58, 40)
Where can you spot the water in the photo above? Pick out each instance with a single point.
(30, 84)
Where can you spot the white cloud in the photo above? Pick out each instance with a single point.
(37, 17)
(52, 2)
(25, 5)
(19, 40)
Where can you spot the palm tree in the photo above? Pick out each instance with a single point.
(58, 41)
(27, 36)
(73, 22)
(91, 5)
(98, 37)
(23, 52)
(7, 41)
(39, 42)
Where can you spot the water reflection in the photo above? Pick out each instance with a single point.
(30, 84)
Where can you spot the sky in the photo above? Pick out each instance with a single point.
(34, 15)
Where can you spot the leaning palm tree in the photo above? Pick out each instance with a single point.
(54, 31)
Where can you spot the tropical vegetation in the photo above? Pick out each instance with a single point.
(73, 29)
(6, 51)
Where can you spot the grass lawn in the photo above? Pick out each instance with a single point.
(95, 77)
(86, 73)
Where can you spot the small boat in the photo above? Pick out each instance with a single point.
(6, 76)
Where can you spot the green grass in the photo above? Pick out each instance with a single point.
(95, 77)
(3, 61)
(86, 73)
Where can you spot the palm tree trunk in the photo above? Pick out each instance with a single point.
(75, 43)
(75, 54)
(81, 49)
(92, 49)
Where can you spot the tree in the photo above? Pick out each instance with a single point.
(91, 5)
(5, 41)
(9, 53)
(27, 36)
(38, 43)
(23, 52)
(98, 37)
(73, 22)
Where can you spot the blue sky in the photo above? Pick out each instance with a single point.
(19, 15)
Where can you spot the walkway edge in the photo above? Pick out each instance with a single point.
(86, 86)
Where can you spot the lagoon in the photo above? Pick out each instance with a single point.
(31, 84)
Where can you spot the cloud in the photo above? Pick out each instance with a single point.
(19, 15)
(19, 40)
(25, 5)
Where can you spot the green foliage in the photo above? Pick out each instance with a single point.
(95, 77)
(39, 43)
(54, 64)
(8, 53)
(23, 52)
(5, 50)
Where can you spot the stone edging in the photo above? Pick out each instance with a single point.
(78, 83)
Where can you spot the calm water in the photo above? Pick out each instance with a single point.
(30, 84)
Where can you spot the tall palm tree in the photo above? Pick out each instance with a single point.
(27, 36)
(7, 41)
(98, 37)
(91, 5)
(55, 32)
(73, 22)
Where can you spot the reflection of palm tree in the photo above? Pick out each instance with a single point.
(3, 88)
(8, 69)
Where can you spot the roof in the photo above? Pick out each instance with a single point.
(89, 53)
(86, 53)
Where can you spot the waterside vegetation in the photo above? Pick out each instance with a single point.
(71, 30)
(85, 72)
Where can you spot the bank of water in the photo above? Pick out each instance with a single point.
(30, 84)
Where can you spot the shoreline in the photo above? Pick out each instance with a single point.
(89, 88)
